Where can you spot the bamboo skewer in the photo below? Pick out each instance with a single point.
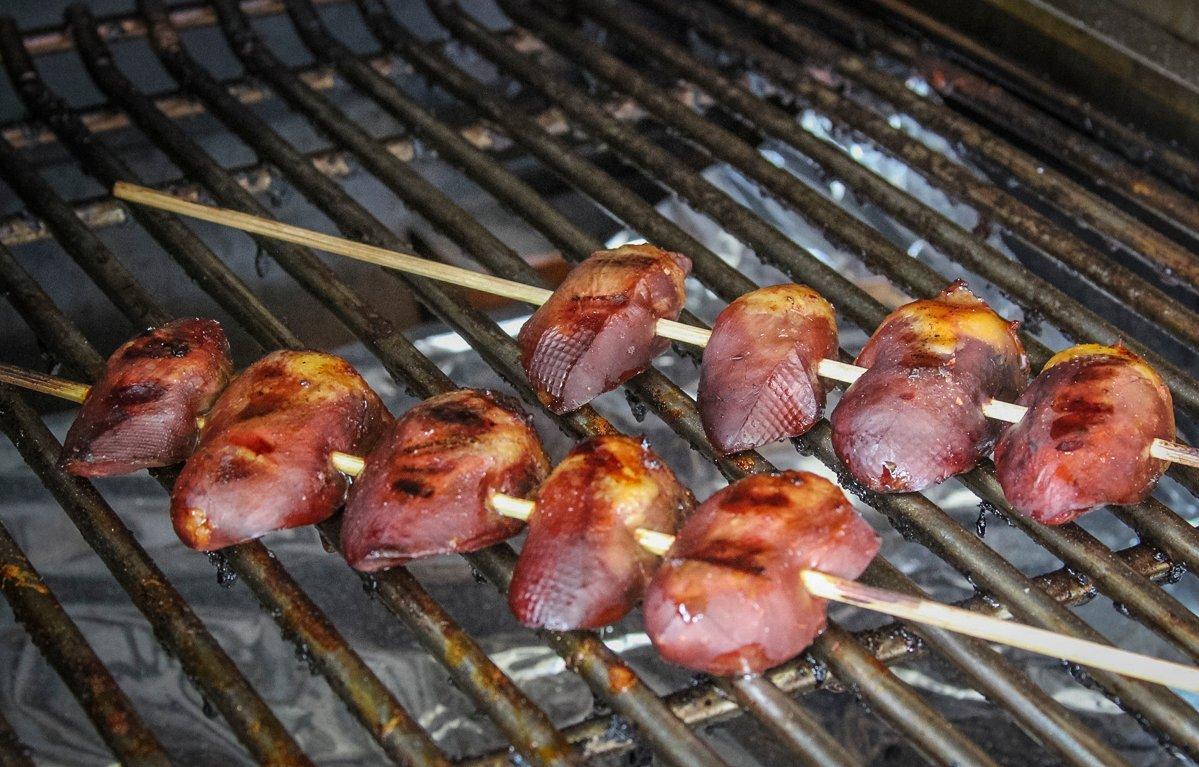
(517, 291)
(930, 613)
(820, 584)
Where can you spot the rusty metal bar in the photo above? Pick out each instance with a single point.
(174, 623)
(1172, 619)
(350, 678)
(912, 513)
(130, 26)
(13, 753)
(495, 255)
(1181, 170)
(298, 617)
(323, 43)
(1101, 169)
(64, 646)
(1021, 285)
(707, 703)
(983, 146)
(1030, 291)
(353, 218)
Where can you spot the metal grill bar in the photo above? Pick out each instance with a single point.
(129, 26)
(913, 513)
(13, 753)
(263, 64)
(1181, 170)
(984, 147)
(1161, 611)
(1092, 164)
(298, 617)
(344, 208)
(64, 646)
(394, 726)
(173, 621)
(706, 703)
(453, 150)
(1030, 291)
(1150, 519)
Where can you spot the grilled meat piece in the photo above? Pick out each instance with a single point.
(263, 459)
(1094, 412)
(425, 487)
(728, 598)
(142, 412)
(581, 567)
(597, 330)
(916, 416)
(758, 383)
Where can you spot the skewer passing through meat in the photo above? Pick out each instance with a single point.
(142, 412)
(915, 417)
(424, 488)
(581, 565)
(598, 328)
(729, 596)
(263, 459)
(758, 382)
(1086, 440)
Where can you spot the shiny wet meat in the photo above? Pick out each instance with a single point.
(263, 459)
(598, 328)
(425, 486)
(728, 598)
(1094, 412)
(581, 567)
(916, 417)
(758, 383)
(142, 412)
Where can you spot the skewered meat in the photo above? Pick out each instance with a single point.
(581, 567)
(729, 598)
(597, 330)
(916, 416)
(1093, 415)
(263, 459)
(758, 383)
(142, 412)
(425, 487)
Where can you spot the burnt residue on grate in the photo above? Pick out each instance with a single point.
(685, 161)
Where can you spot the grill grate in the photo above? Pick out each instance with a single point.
(1030, 209)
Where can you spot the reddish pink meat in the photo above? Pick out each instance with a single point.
(916, 417)
(1093, 415)
(425, 487)
(728, 598)
(758, 383)
(581, 567)
(142, 412)
(263, 459)
(597, 330)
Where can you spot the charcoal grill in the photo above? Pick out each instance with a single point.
(621, 103)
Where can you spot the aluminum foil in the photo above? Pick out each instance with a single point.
(48, 719)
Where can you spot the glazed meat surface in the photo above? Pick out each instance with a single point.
(1093, 415)
(758, 382)
(263, 459)
(581, 567)
(142, 412)
(425, 487)
(598, 328)
(728, 598)
(916, 416)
